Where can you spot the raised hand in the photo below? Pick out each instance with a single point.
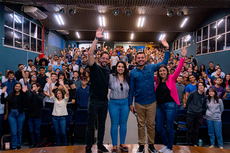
(165, 43)
(184, 52)
(24, 89)
(99, 32)
(4, 89)
(48, 80)
(61, 82)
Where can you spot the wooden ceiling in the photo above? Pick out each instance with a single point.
(85, 20)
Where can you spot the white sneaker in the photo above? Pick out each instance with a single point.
(163, 148)
(168, 151)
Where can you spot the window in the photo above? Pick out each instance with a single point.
(214, 37)
(176, 44)
(22, 33)
(182, 42)
(198, 48)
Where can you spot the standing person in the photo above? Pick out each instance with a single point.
(113, 61)
(98, 101)
(167, 98)
(83, 94)
(118, 104)
(70, 71)
(36, 62)
(49, 103)
(34, 108)
(60, 98)
(132, 65)
(220, 90)
(26, 77)
(75, 66)
(16, 116)
(50, 71)
(181, 91)
(211, 69)
(10, 83)
(84, 63)
(3, 111)
(215, 108)
(18, 74)
(142, 86)
(66, 74)
(76, 80)
(52, 63)
(58, 66)
(43, 63)
(41, 78)
(190, 87)
(195, 104)
(81, 72)
(30, 63)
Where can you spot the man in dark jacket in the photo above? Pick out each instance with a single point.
(195, 104)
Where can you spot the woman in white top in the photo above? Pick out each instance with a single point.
(60, 97)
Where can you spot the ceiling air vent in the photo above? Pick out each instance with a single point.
(63, 32)
(34, 12)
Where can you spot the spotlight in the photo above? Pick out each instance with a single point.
(115, 12)
(180, 13)
(62, 11)
(128, 12)
(170, 13)
(71, 11)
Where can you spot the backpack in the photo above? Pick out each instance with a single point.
(181, 121)
(6, 142)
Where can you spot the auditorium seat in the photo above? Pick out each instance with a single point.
(226, 123)
(46, 123)
(226, 104)
(70, 126)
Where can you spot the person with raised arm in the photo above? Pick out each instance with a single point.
(142, 87)
(167, 98)
(98, 101)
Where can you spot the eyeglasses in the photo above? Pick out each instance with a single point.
(34, 77)
(121, 86)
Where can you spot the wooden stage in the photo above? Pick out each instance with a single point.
(132, 149)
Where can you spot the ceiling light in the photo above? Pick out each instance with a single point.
(59, 19)
(132, 36)
(170, 13)
(102, 21)
(187, 38)
(128, 12)
(219, 22)
(62, 11)
(106, 35)
(180, 13)
(162, 36)
(183, 23)
(141, 22)
(115, 12)
(78, 36)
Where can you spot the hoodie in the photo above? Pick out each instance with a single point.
(214, 110)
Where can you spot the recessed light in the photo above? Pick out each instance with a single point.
(106, 35)
(78, 36)
(184, 21)
(59, 19)
(141, 22)
(132, 36)
(102, 21)
(162, 36)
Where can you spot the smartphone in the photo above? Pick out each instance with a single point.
(135, 113)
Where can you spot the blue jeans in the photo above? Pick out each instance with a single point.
(215, 127)
(1, 121)
(35, 125)
(59, 123)
(119, 113)
(16, 121)
(166, 112)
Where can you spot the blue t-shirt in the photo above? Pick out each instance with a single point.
(190, 88)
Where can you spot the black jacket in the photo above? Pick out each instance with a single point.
(195, 104)
(34, 104)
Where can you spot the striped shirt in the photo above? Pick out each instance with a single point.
(115, 86)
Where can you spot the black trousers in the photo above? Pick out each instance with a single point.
(50, 106)
(193, 127)
(97, 110)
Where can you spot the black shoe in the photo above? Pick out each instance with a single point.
(19, 147)
(33, 145)
(152, 149)
(88, 150)
(102, 148)
(13, 148)
(141, 149)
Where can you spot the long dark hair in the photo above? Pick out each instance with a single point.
(12, 94)
(203, 81)
(202, 70)
(216, 97)
(226, 80)
(159, 79)
(35, 62)
(126, 77)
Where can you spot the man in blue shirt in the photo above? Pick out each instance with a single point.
(83, 94)
(10, 82)
(58, 66)
(190, 87)
(143, 88)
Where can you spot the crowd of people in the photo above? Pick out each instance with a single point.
(153, 84)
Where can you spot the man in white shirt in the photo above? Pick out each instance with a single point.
(49, 103)
(113, 61)
(75, 66)
(30, 63)
(25, 79)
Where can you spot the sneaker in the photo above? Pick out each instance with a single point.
(102, 148)
(114, 151)
(221, 148)
(88, 150)
(163, 148)
(140, 149)
(211, 147)
(124, 149)
(168, 151)
(152, 149)
(18, 147)
(33, 145)
(195, 145)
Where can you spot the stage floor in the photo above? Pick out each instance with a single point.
(132, 149)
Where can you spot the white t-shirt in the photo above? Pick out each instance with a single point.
(2, 106)
(4, 79)
(22, 82)
(52, 64)
(60, 107)
(114, 60)
(75, 67)
(46, 89)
